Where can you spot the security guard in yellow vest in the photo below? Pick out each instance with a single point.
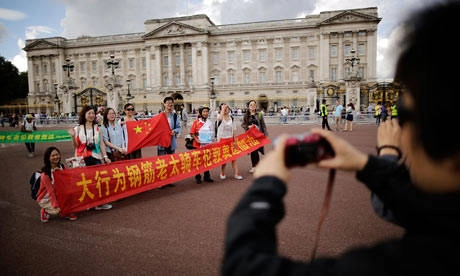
(323, 112)
(394, 111)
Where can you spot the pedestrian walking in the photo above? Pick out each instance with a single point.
(323, 113)
(29, 126)
(183, 117)
(349, 117)
(338, 114)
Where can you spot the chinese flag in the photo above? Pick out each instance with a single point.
(152, 132)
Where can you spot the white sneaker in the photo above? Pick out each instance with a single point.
(103, 207)
(252, 170)
(238, 176)
(222, 176)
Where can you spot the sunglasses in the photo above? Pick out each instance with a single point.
(130, 109)
(404, 114)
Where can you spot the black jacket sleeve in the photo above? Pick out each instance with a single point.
(390, 182)
(251, 246)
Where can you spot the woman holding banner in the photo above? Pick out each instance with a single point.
(129, 116)
(202, 132)
(254, 118)
(88, 142)
(46, 195)
(113, 135)
(226, 129)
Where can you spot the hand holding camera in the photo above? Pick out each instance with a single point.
(306, 148)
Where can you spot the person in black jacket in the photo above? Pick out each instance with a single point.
(420, 185)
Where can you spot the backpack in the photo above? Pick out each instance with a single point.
(34, 184)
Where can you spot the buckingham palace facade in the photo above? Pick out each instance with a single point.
(292, 62)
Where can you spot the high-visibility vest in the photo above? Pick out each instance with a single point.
(394, 110)
(377, 110)
(323, 110)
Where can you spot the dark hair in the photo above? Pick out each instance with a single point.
(46, 160)
(220, 106)
(352, 106)
(81, 115)
(248, 112)
(168, 99)
(105, 119)
(426, 69)
(324, 101)
(200, 110)
(128, 105)
(247, 104)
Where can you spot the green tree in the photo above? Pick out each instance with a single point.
(23, 85)
(13, 85)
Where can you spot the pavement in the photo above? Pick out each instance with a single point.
(177, 230)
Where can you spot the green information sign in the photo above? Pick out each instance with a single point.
(34, 137)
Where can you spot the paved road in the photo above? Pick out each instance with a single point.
(175, 231)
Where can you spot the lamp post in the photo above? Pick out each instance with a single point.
(129, 96)
(68, 67)
(212, 97)
(56, 99)
(352, 61)
(68, 84)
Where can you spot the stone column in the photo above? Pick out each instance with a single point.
(170, 66)
(148, 66)
(182, 65)
(157, 68)
(194, 60)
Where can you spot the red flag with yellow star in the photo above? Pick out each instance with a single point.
(151, 132)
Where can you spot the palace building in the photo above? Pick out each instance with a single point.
(292, 62)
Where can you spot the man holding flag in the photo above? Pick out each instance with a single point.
(174, 124)
(151, 132)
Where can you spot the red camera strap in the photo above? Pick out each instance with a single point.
(324, 210)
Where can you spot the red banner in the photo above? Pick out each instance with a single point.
(151, 132)
(78, 189)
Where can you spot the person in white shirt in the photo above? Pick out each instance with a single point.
(226, 129)
(29, 126)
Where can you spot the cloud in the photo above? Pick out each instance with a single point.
(3, 32)
(11, 15)
(97, 18)
(241, 11)
(33, 32)
(20, 60)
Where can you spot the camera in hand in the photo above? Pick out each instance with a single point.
(90, 146)
(306, 148)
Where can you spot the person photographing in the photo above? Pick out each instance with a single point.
(420, 184)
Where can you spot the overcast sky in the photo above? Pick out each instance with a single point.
(29, 19)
